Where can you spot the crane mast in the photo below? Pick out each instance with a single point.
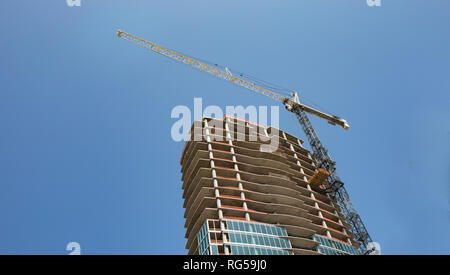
(335, 186)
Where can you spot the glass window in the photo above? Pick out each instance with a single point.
(280, 231)
(346, 248)
(251, 227)
(334, 244)
(234, 251)
(258, 228)
(248, 239)
(260, 240)
(243, 238)
(264, 229)
(278, 242)
(229, 225)
(273, 230)
(266, 241)
(283, 243)
(247, 227)
(241, 250)
(238, 238)
(272, 242)
(214, 250)
(246, 250)
(254, 239)
(286, 243)
(241, 226)
(232, 237)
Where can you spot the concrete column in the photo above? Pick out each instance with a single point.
(241, 187)
(208, 138)
(242, 196)
(247, 216)
(227, 129)
(301, 169)
(244, 204)
(224, 237)
(222, 225)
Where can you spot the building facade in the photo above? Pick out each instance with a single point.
(248, 190)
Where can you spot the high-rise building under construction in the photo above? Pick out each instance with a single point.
(245, 195)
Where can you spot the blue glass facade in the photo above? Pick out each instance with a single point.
(245, 238)
(203, 240)
(331, 247)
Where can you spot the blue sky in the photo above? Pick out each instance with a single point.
(85, 147)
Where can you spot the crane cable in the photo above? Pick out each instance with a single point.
(265, 84)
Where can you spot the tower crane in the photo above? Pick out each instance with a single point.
(334, 186)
